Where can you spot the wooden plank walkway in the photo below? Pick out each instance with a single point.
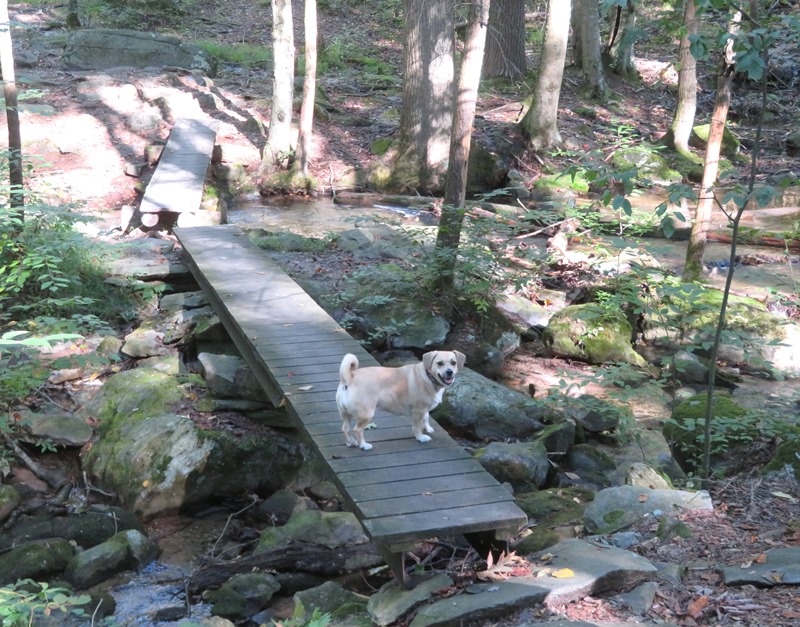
(401, 490)
(177, 183)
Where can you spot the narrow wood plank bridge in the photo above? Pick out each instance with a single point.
(402, 491)
(177, 183)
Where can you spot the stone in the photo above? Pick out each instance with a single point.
(123, 551)
(281, 505)
(593, 334)
(522, 464)
(640, 599)
(524, 312)
(615, 508)
(229, 376)
(103, 48)
(85, 529)
(330, 529)
(62, 429)
(780, 568)
(643, 476)
(487, 410)
(686, 367)
(592, 465)
(558, 438)
(596, 415)
(35, 560)
(242, 595)
(393, 600)
(183, 300)
(329, 598)
(145, 341)
(9, 499)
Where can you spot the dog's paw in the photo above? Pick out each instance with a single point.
(365, 446)
(428, 429)
(423, 438)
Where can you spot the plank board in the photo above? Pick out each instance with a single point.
(177, 183)
(401, 490)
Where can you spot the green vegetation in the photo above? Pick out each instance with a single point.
(26, 602)
(242, 54)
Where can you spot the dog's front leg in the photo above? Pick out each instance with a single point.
(420, 423)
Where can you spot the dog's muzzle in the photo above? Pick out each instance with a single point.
(447, 377)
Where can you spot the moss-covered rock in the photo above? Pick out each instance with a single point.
(592, 333)
(556, 513)
(522, 464)
(733, 429)
(650, 163)
(331, 529)
(788, 454)
(35, 560)
(242, 595)
(730, 143)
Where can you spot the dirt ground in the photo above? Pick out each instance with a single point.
(85, 151)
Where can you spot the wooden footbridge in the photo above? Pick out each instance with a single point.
(402, 491)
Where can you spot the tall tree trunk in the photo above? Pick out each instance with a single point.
(540, 124)
(505, 40)
(73, 19)
(279, 138)
(15, 171)
(591, 61)
(426, 115)
(693, 267)
(449, 233)
(681, 128)
(309, 88)
(623, 36)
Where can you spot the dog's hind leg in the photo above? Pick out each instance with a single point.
(357, 434)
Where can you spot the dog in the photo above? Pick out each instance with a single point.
(411, 390)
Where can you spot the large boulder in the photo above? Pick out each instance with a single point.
(485, 410)
(591, 333)
(35, 560)
(159, 462)
(103, 48)
(126, 550)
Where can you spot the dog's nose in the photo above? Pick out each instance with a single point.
(448, 372)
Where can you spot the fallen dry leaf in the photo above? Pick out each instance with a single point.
(697, 606)
(305, 388)
(563, 573)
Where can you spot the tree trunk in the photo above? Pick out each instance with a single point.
(681, 128)
(73, 20)
(420, 159)
(505, 40)
(623, 36)
(309, 89)
(15, 171)
(591, 61)
(449, 233)
(540, 124)
(279, 138)
(693, 267)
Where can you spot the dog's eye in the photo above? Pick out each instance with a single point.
(440, 363)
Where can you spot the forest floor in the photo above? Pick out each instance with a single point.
(748, 518)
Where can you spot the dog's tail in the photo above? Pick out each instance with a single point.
(348, 367)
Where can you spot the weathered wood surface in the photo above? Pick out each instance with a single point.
(177, 183)
(401, 490)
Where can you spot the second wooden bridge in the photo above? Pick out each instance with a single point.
(402, 491)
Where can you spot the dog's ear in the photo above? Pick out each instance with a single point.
(427, 359)
(460, 359)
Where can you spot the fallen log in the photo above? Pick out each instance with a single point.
(296, 556)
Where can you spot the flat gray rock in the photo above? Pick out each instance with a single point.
(782, 567)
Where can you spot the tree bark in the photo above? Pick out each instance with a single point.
(505, 40)
(279, 138)
(620, 45)
(449, 232)
(309, 89)
(15, 171)
(682, 123)
(427, 108)
(693, 266)
(591, 62)
(73, 19)
(540, 124)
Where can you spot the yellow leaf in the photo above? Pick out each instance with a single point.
(145, 483)
(564, 573)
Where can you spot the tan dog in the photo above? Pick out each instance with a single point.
(411, 390)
